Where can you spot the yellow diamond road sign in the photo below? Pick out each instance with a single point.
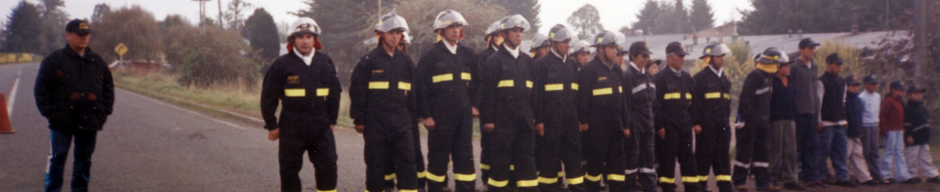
(120, 49)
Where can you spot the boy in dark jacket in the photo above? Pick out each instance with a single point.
(853, 114)
(917, 134)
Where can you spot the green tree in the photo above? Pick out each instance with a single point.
(235, 14)
(262, 34)
(681, 18)
(134, 27)
(777, 17)
(53, 19)
(527, 8)
(646, 19)
(586, 21)
(210, 56)
(100, 11)
(21, 29)
(702, 16)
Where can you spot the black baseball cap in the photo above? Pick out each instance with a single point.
(852, 80)
(915, 88)
(78, 26)
(676, 48)
(897, 85)
(808, 42)
(869, 79)
(834, 59)
(639, 47)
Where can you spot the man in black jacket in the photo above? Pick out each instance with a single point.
(381, 105)
(447, 94)
(853, 132)
(557, 124)
(639, 150)
(493, 41)
(74, 91)
(304, 82)
(832, 140)
(674, 124)
(711, 107)
(508, 110)
(917, 136)
(601, 112)
(754, 112)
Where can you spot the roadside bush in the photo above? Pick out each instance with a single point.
(208, 56)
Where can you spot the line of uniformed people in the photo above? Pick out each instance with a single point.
(546, 120)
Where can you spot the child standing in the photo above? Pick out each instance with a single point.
(917, 134)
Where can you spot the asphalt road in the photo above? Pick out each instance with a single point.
(149, 145)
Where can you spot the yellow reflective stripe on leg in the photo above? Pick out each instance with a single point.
(669, 96)
(727, 96)
(436, 178)
(555, 87)
(407, 190)
(512, 167)
(442, 78)
(528, 84)
(703, 178)
(390, 177)
(422, 174)
(576, 180)
(713, 95)
(323, 92)
(690, 179)
(334, 190)
(496, 183)
(574, 86)
(378, 85)
(667, 180)
(506, 83)
(723, 177)
(527, 183)
(688, 96)
(603, 91)
(404, 86)
(616, 177)
(295, 92)
(484, 166)
(592, 178)
(465, 76)
(465, 177)
(546, 180)
(620, 89)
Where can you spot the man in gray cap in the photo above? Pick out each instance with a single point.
(640, 93)
(803, 79)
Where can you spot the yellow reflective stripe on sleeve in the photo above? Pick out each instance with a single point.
(690, 179)
(334, 190)
(546, 180)
(484, 166)
(436, 178)
(527, 183)
(442, 78)
(616, 177)
(506, 83)
(378, 85)
(603, 91)
(465, 177)
(422, 174)
(404, 86)
(574, 86)
(713, 95)
(620, 89)
(390, 177)
(561, 174)
(407, 190)
(669, 96)
(323, 92)
(496, 183)
(667, 180)
(512, 167)
(465, 76)
(555, 87)
(576, 180)
(295, 92)
(723, 177)
(592, 178)
(528, 84)
(727, 96)
(688, 96)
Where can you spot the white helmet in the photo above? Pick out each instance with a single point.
(407, 38)
(447, 18)
(304, 25)
(540, 41)
(391, 21)
(514, 21)
(581, 46)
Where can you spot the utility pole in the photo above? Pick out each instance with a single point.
(920, 39)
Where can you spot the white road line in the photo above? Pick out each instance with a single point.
(19, 72)
(12, 99)
(188, 111)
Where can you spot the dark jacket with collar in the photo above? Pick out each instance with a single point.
(674, 96)
(380, 86)
(600, 98)
(307, 94)
(557, 86)
(74, 92)
(853, 114)
(782, 105)
(833, 108)
(755, 99)
(711, 99)
(803, 81)
(640, 94)
(445, 81)
(915, 123)
(507, 87)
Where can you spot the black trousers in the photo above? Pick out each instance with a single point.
(752, 154)
(451, 140)
(640, 154)
(316, 139)
(419, 162)
(604, 153)
(712, 154)
(387, 136)
(513, 143)
(560, 144)
(677, 144)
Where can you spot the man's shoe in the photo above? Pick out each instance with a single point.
(912, 181)
(794, 186)
(817, 183)
(446, 189)
(848, 184)
(891, 181)
(934, 180)
(870, 183)
(769, 187)
(740, 188)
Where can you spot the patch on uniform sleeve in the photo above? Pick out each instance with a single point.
(293, 79)
(602, 78)
(378, 71)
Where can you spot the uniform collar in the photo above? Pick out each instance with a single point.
(451, 48)
(563, 58)
(307, 59)
(513, 52)
(642, 71)
(678, 72)
(717, 72)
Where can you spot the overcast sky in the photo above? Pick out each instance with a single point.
(614, 13)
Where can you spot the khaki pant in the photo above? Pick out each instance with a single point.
(918, 158)
(856, 160)
(783, 155)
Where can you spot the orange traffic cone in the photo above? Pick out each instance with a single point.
(5, 127)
